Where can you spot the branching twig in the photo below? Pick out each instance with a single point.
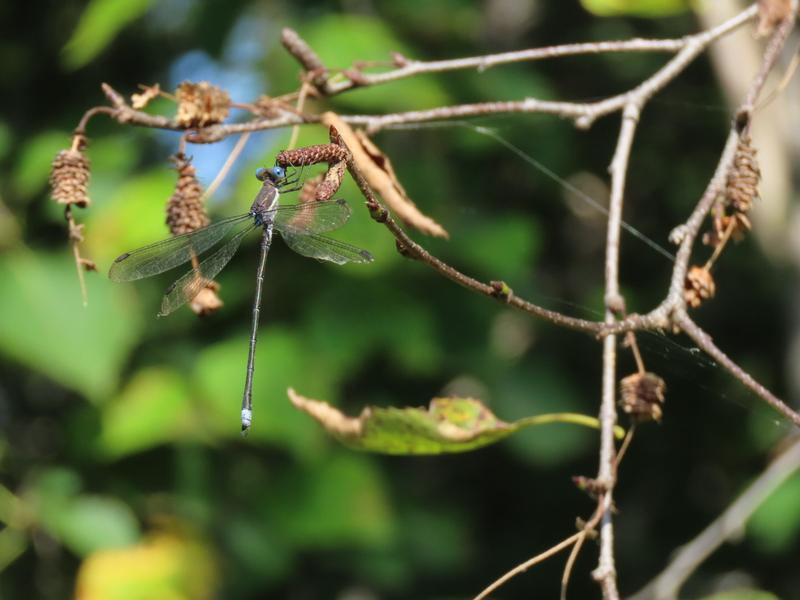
(669, 582)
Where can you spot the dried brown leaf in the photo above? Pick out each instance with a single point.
(378, 171)
(149, 92)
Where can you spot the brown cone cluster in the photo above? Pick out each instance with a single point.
(308, 193)
(331, 181)
(201, 104)
(741, 189)
(311, 155)
(699, 286)
(642, 396)
(69, 178)
(185, 209)
(186, 213)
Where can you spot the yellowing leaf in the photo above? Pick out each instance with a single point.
(447, 425)
(165, 566)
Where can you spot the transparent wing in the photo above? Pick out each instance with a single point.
(311, 217)
(188, 286)
(168, 254)
(325, 248)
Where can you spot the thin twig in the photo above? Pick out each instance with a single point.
(496, 289)
(229, 162)
(528, 564)
(75, 240)
(605, 573)
(668, 583)
(704, 341)
(301, 100)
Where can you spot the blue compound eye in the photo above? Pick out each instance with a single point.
(278, 172)
(261, 174)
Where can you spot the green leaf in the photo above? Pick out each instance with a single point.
(448, 425)
(281, 359)
(12, 544)
(98, 25)
(775, 526)
(636, 8)
(84, 523)
(341, 40)
(46, 327)
(153, 409)
(130, 218)
(514, 243)
(341, 502)
(91, 523)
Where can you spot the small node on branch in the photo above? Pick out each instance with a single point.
(357, 77)
(501, 290)
(403, 250)
(377, 212)
(201, 104)
(593, 487)
(642, 396)
(699, 286)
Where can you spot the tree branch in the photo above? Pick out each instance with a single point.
(668, 583)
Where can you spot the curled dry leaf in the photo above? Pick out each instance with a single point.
(377, 169)
(447, 425)
(149, 92)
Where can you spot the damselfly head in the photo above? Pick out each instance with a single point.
(274, 174)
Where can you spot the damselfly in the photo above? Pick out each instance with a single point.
(300, 226)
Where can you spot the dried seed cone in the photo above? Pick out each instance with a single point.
(207, 302)
(331, 181)
(185, 210)
(69, 178)
(741, 189)
(699, 286)
(201, 104)
(642, 396)
(308, 193)
(311, 155)
(742, 184)
(186, 213)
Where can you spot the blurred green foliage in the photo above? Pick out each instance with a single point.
(123, 473)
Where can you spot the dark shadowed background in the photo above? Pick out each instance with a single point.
(120, 458)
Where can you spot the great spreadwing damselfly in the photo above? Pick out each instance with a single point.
(300, 226)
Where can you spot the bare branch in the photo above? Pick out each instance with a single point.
(668, 583)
